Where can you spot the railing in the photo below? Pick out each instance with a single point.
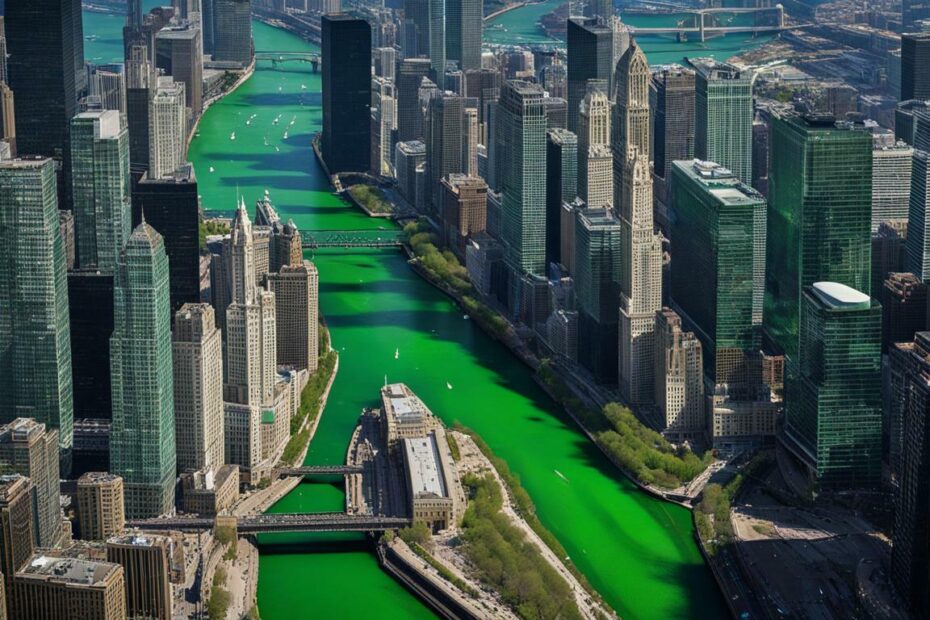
(266, 523)
(313, 239)
(320, 470)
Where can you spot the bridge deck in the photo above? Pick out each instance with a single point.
(268, 523)
(320, 470)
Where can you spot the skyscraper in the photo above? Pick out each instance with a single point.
(142, 438)
(90, 306)
(197, 353)
(672, 90)
(410, 73)
(167, 128)
(437, 40)
(464, 210)
(723, 117)
(641, 264)
(595, 170)
(561, 186)
(100, 188)
(35, 341)
(416, 14)
(346, 134)
(45, 41)
(464, 23)
(232, 31)
(140, 89)
(917, 245)
(101, 505)
(521, 148)
(146, 561)
(179, 53)
(17, 530)
(891, 182)
(904, 308)
(590, 57)
(820, 197)
(446, 146)
(297, 315)
(679, 378)
(915, 54)
(834, 425)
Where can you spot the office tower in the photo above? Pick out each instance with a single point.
(7, 118)
(820, 197)
(904, 308)
(35, 340)
(385, 62)
(556, 112)
(834, 425)
(170, 206)
(598, 258)
(407, 157)
(521, 149)
(760, 155)
(485, 85)
(140, 89)
(679, 379)
(197, 353)
(232, 31)
(100, 188)
(346, 93)
(27, 448)
(207, 26)
(887, 252)
(907, 114)
(17, 530)
(641, 264)
(54, 588)
(179, 53)
(167, 128)
(146, 560)
(672, 102)
(464, 210)
(473, 137)
(595, 171)
(45, 42)
(561, 186)
(445, 143)
(90, 306)
(297, 315)
(915, 56)
(142, 440)
(100, 504)
(590, 57)
(383, 122)
(66, 226)
(416, 13)
(723, 117)
(917, 245)
(463, 33)
(108, 86)
(410, 73)
(437, 40)
(891, 182)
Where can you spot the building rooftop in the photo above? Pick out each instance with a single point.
(21, 430)
(840, 296)
(108, 122)
(68, 570)
(719, 182)
(426, 474)
(98, 477)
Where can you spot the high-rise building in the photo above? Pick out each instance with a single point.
(437, 40)
(463, 33)
(915, 55)
(917, 245)
(891, 182)
(595, 169)
(416, 13)
(56, 588)
(464, 210)
(232, 31)
(887, 252)
(17, 530)
(100, 188)
(179, 53)
(410, 74)
(101, 505)
(407, 157)
(35, 339)
(561, 186)
(90, 309)
(723, 117)
(297, 315)
(142, 439)
(107, 84)
(346, 93)
(167, 128)
(590, 57)
(672, 103)
(141, 84)
(45, 42)
(145, 559)
(66, 226)
(820, 199)
(597, 272)
(521, 149)
(679, 379)
(7, 118)
(834, 425)
(170, 206)
(641, 264)
(197, 353)
(27, 448)
(907, 116)
(446, 146)
(904, 308)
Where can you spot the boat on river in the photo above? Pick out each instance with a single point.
(232, 136)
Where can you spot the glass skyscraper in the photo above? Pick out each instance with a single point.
(463, 33)
(834, 423)
(723, 117)
(100, 181)
(35, 340)
(590, 57)
(142, 441)
(820, 196)
(561, 186)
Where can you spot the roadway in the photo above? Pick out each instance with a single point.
(269, 523)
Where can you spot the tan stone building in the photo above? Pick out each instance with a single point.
(296, 290)
(16, 530)
(464, 210)
(100, 505)
(679, 378)
(210, 492)
(27, 448)
(146, 560)
(54, 588)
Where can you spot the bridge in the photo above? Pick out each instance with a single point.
(320, 470)
(313, 239)
(276, 58)
(272, 523)
(705, 22)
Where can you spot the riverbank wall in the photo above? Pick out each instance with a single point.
(246, 74)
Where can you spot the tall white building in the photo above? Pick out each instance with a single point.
(891, 181)
(198, 388)
(595, 178)
(167, 128)
(641, 262)
(679, 378)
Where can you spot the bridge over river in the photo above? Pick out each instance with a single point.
(376, 238)
(271, 523)
(276, 58)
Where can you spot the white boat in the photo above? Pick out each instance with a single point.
(232, 136)
(560, 475)
(266, 141)
(277, 150)
(285, 135)
(303, 87)
(448, 385)
(248, 122)
(279, 89)
(212, 169)
(396, 353)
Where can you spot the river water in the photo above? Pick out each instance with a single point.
(638, 552)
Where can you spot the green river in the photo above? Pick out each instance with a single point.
(638, 552)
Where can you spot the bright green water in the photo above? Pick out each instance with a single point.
(637, 551)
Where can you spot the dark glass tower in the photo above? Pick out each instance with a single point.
(410, 74)
(673, 125)
(561, 186)
(90, 304)
(463, 33)
(346, 140)
(590, 57)
(915, 59)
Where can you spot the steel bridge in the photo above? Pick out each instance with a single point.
(313, 239)
(271, 523)
(705, 27)
(320, 470)
(276, 58)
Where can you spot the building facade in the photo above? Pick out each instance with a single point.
(101, 509)
(29, 449)
(723, 117)
(346, 137)
(297, 315)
